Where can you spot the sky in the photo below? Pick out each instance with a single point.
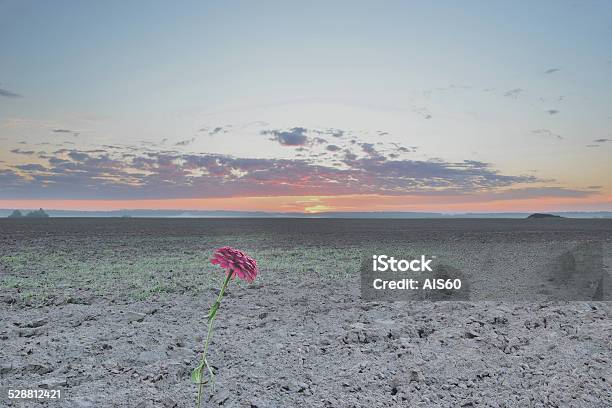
(306, 106)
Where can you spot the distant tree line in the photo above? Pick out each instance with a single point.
(40, 213)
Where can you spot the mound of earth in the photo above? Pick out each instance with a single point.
(540, 215)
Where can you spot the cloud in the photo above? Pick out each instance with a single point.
(78, 156)
(423, 112)
(547, 133)
(25, 152)
(96, 174)
(598, 142)
(72, 132)
(404, 149)
(300, 136)
(8, 94)
(371, 152)
(10, 179)
(215, 130)
(349, 156)
(293, 137)
(552, 70)
(319, 140)
(513, 93)
(331, 132)
(185, 142)
(31, 167)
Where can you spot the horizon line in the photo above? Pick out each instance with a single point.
(301, 213)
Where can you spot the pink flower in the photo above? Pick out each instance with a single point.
(236, 261)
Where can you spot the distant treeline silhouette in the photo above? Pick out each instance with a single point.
(40, 213)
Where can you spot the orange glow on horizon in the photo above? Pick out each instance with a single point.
(314, 204)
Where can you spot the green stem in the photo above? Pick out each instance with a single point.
(211, 320)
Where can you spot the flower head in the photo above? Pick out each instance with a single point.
(236, 261)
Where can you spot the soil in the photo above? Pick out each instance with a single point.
(305, 342)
